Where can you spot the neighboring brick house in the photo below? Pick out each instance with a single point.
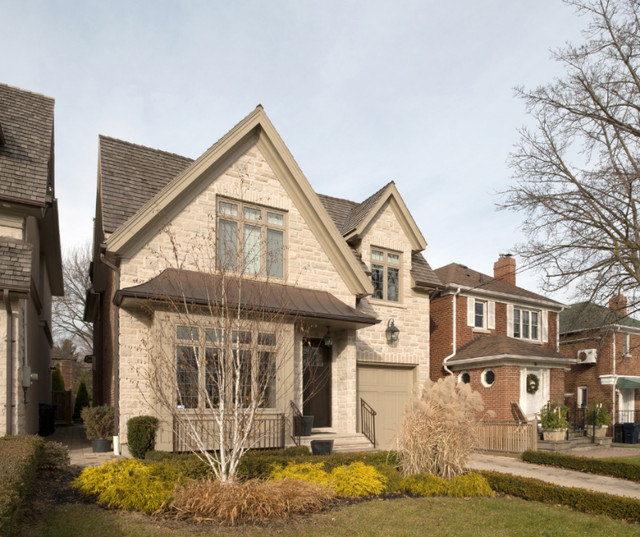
(606, 344)
(30, 258)
(498, 337)
(350, 271)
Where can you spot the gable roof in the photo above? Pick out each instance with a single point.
(488, 347)
(588, 316)
(26, 161)
(131, 175)
(348, 215)
(256, 128)
(456, 274)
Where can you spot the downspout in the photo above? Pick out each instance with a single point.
(116, 354)
(454, 334)
(7, 304)
(615, 378)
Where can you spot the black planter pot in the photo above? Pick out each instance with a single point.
(321, 447)
(101, 445)
(303, 425)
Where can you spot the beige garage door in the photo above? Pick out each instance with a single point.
(387, 390)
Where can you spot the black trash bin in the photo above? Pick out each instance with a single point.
(631, 432)
(47, 415)
(618, 433)
(303, 425)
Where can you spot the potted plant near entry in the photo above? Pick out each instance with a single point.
(98, 424)
(598, 415)
(553, 419)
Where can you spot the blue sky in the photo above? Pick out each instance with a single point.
(419, 92)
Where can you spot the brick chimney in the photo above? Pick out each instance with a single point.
(504, 269)
(618, 304)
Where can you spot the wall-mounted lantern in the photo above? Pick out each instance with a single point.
(327, 339)
(392, 332)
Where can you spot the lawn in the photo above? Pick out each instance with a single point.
(408, 517)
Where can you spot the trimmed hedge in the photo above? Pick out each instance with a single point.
(20, 460)
(259, 464)
(623, 470)
(593, 503)
(141, 435)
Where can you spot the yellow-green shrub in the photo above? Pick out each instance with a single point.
(393, 476)
(357, 479)
(470, 485)
(424, 485)
(129, 484)
(305, 471)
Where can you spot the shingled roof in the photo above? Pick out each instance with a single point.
(131, 175)
(587, 316)
(26, 164)
(15, 265)
(462, 275)
(503, 346)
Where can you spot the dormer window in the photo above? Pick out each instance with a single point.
(385, 275)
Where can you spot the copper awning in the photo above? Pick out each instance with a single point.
(198, 288)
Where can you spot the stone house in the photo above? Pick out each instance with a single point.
(348, 279)
(498, 337)
(30, 257)
(605, 343)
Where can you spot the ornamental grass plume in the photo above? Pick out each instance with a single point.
(439, 428)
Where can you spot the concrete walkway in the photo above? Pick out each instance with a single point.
(559, 476)
(80, 450)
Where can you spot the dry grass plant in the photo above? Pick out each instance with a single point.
(253, 501)
(438, 430)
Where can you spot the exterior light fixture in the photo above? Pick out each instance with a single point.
(327, 339)
(392, 332)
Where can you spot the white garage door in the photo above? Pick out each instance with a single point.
(387, 390)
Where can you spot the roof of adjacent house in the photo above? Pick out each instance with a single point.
(457, 274)
(178, 286)
(587, 316)
(15, 264)
(490, 346)
(26, 159)
(131, 175)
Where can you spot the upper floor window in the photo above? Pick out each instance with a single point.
(250, 239)
(385, 275)
(526, 324)
(626, 345)
(481, 314)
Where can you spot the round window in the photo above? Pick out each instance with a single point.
(465, 378)
(488, 377)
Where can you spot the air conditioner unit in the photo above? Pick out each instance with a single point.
(587, 356)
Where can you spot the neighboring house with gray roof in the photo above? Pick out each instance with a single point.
(605, 342)
(30, 258)
(348, 276)
(498, 337)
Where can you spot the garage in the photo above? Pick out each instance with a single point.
(388, 390)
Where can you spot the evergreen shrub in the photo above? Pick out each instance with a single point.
(469, 486)
(82, 400)
(424, 485)
(141, 435)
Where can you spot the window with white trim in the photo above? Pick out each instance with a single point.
(385, 274)
(626, 345)
(250, 239)
(464, 377)
(481, 314)
(488, 378)
(246, 360)
(582, 396)
(526, 324)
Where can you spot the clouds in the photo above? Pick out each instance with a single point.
(361, 92)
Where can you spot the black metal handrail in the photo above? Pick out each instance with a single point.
(296, 423)
(368, 421)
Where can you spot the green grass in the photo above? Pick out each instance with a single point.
(419, 517)
(634, 459)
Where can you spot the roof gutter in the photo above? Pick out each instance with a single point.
(454, 333)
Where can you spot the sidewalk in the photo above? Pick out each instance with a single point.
(559, 476)
(80, 450)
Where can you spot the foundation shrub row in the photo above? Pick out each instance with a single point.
(621, 469)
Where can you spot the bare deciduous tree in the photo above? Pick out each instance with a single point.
(577, 171)
(68, 310)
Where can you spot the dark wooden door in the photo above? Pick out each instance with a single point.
(316, 361)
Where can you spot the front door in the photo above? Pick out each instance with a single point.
(316, 360)
(626, 404)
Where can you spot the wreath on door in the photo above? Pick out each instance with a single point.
(533, 383)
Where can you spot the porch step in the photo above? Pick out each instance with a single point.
(342, 442)
(575, 443)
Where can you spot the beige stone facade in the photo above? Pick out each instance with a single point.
(180, 233)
